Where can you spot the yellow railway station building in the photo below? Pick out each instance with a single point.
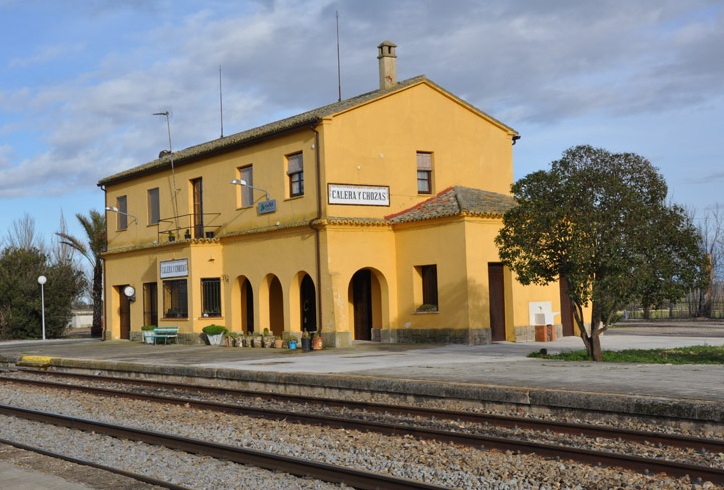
(372, 218)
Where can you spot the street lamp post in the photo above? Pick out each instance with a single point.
(42, 280)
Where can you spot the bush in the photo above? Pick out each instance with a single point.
(148, 327)
(214, 330)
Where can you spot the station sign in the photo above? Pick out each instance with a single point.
(174, 268)
(359, 195)
(265, 207)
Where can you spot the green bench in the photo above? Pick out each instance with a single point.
(165, 333)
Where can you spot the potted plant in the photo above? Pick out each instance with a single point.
(215, 333)
(147, 334)
(187, 235)
(171, 237)
(232, 339)
(306, 341)
(317, 343)
(291, 342)
(278, 342)
(268, 338)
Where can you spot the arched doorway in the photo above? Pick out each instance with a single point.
(308, 300)
(247, 306)
(276, 307)
(361, 298)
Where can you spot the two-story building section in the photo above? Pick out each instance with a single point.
(372, 218)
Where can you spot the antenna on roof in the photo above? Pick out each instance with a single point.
(221, 105)
(339, 74)
(173, 172)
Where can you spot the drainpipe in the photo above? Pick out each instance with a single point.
(315, 227)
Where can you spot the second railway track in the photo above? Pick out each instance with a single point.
(459, 435)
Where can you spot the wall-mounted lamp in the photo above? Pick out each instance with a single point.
(115, 210)
(244, 184)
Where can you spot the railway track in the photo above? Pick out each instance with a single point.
(592, 457)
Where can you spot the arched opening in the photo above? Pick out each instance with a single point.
(365, 297)
(276, 307)
(308, 302)
(246, 297)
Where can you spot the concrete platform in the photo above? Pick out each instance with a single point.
(499, 372)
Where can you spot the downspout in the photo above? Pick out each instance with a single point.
(103, 295)
(315, 226)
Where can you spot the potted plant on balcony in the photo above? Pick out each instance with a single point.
(187, 235)
(214, 333)
(171, 237)
(147, 334)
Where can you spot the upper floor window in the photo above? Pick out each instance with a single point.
(154, 207)
(295, 171)
(247, 193)
(424, 172)
(122, 214)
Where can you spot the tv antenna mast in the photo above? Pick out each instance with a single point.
(173, 171)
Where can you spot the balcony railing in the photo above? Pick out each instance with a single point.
(187, 227)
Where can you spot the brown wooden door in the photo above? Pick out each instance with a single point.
(496, 288)
(566, 309)
(124, 313)
(362, 301)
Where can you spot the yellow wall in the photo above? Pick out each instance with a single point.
(372, 144)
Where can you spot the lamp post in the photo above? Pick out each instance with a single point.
(42, 280)
(244, 184)
(114, 209)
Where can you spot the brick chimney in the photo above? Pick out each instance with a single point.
(388, 64)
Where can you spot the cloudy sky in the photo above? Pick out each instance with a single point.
(80, 80)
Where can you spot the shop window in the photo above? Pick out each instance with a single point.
(175, 298)
(424, 172)
(247, 193)
(211, 296)
(427, 284)
(295, 172)
(154, 207)
(122, 214)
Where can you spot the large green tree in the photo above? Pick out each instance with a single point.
(92, 247)
(20, 295)
(600, 221)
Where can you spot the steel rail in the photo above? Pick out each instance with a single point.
(672, 440)
(90, 464)
(544, 450)
(295, 466)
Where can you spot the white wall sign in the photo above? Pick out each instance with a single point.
(174, 268)
(359, 195)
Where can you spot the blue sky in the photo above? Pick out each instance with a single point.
(80, 80)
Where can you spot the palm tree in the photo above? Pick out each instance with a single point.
(95, 230)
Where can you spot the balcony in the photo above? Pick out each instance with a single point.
(187, 227)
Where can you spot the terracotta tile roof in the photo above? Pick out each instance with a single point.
(254, 135)
(456, 201)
